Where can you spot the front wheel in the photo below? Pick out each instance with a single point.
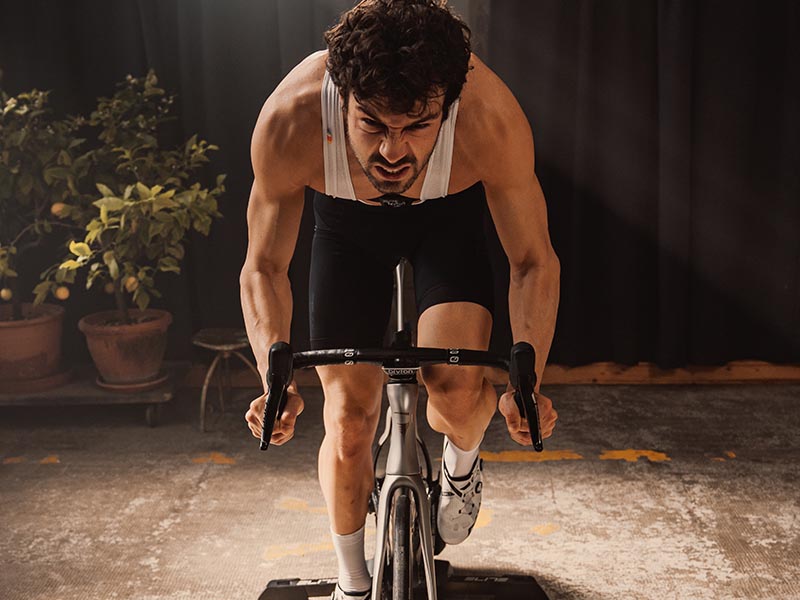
(402, 552)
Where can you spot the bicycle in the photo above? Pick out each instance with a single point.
(404, 499)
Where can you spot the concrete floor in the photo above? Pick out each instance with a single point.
(645, 492)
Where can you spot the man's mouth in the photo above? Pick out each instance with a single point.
(392, 173)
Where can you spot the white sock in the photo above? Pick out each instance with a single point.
(353, 574)
(459, 462)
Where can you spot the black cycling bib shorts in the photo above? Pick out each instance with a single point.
(356, 247)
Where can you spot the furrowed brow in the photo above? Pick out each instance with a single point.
(422, 119)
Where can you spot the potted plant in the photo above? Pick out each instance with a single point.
(37, 173)
(134, 224)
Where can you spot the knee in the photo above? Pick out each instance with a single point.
(456, 394)
(351, 414)
(350, 430)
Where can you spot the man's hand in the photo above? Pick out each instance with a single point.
(283, 430)
(518, 426)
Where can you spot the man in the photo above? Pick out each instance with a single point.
(403, 135)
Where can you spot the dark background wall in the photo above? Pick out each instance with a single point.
(667, 137)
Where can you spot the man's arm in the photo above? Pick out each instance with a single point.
(519, 213)
(273, 221)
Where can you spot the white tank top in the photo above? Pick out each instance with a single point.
(337, 170)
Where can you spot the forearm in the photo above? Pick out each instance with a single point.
(533, 296)
(267, 308)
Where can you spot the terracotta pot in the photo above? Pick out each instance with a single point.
(127, 354)
(30, 349)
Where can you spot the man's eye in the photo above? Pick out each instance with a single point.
(371, 123)
(419, 126)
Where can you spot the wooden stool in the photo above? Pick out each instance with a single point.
(225, 342)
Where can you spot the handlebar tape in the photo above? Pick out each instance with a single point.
(279, 376)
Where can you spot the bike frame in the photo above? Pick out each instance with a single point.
(403, 470)
(402, 463)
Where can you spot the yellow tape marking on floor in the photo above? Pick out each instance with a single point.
(297, 505)
(546, 529)
(215, 457)
(275, 552)
(50, 460)
(484, 518)
(631, 455)
(13, 460)
(530, 456)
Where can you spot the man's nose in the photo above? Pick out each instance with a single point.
(393, 147)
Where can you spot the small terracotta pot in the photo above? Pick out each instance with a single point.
(127, 354)
(31, 348)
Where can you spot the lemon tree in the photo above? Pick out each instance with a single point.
(142, 202)
(39, 166)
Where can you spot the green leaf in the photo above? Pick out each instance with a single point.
(104, 213)
(176, 251)
(53, 174)
(143, 191)
(41, 292)
(80, 249)
(142, 299)
(128, 192)
(64, 158)
(93, 233)
(168, 264)
(110, 259)
(109, 203)
(105, 190)
(161, 203)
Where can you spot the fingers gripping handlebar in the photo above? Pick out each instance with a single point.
(520, 366)
(522, 375)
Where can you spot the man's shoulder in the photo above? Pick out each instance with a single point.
(487, 104)
(489, 117)
(290, 118)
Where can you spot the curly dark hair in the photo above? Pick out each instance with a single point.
(398, 53)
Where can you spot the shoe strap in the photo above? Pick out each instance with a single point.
(466, 478)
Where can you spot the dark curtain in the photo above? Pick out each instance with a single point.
(667, 141)
(668, 146)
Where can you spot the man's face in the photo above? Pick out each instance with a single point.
(392, 149)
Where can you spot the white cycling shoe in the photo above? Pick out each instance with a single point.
(340, 594)
(459, 503)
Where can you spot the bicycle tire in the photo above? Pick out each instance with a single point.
(402, 551)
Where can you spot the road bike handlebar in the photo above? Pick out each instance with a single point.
(520, 365)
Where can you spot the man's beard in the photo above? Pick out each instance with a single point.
(388, 187)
